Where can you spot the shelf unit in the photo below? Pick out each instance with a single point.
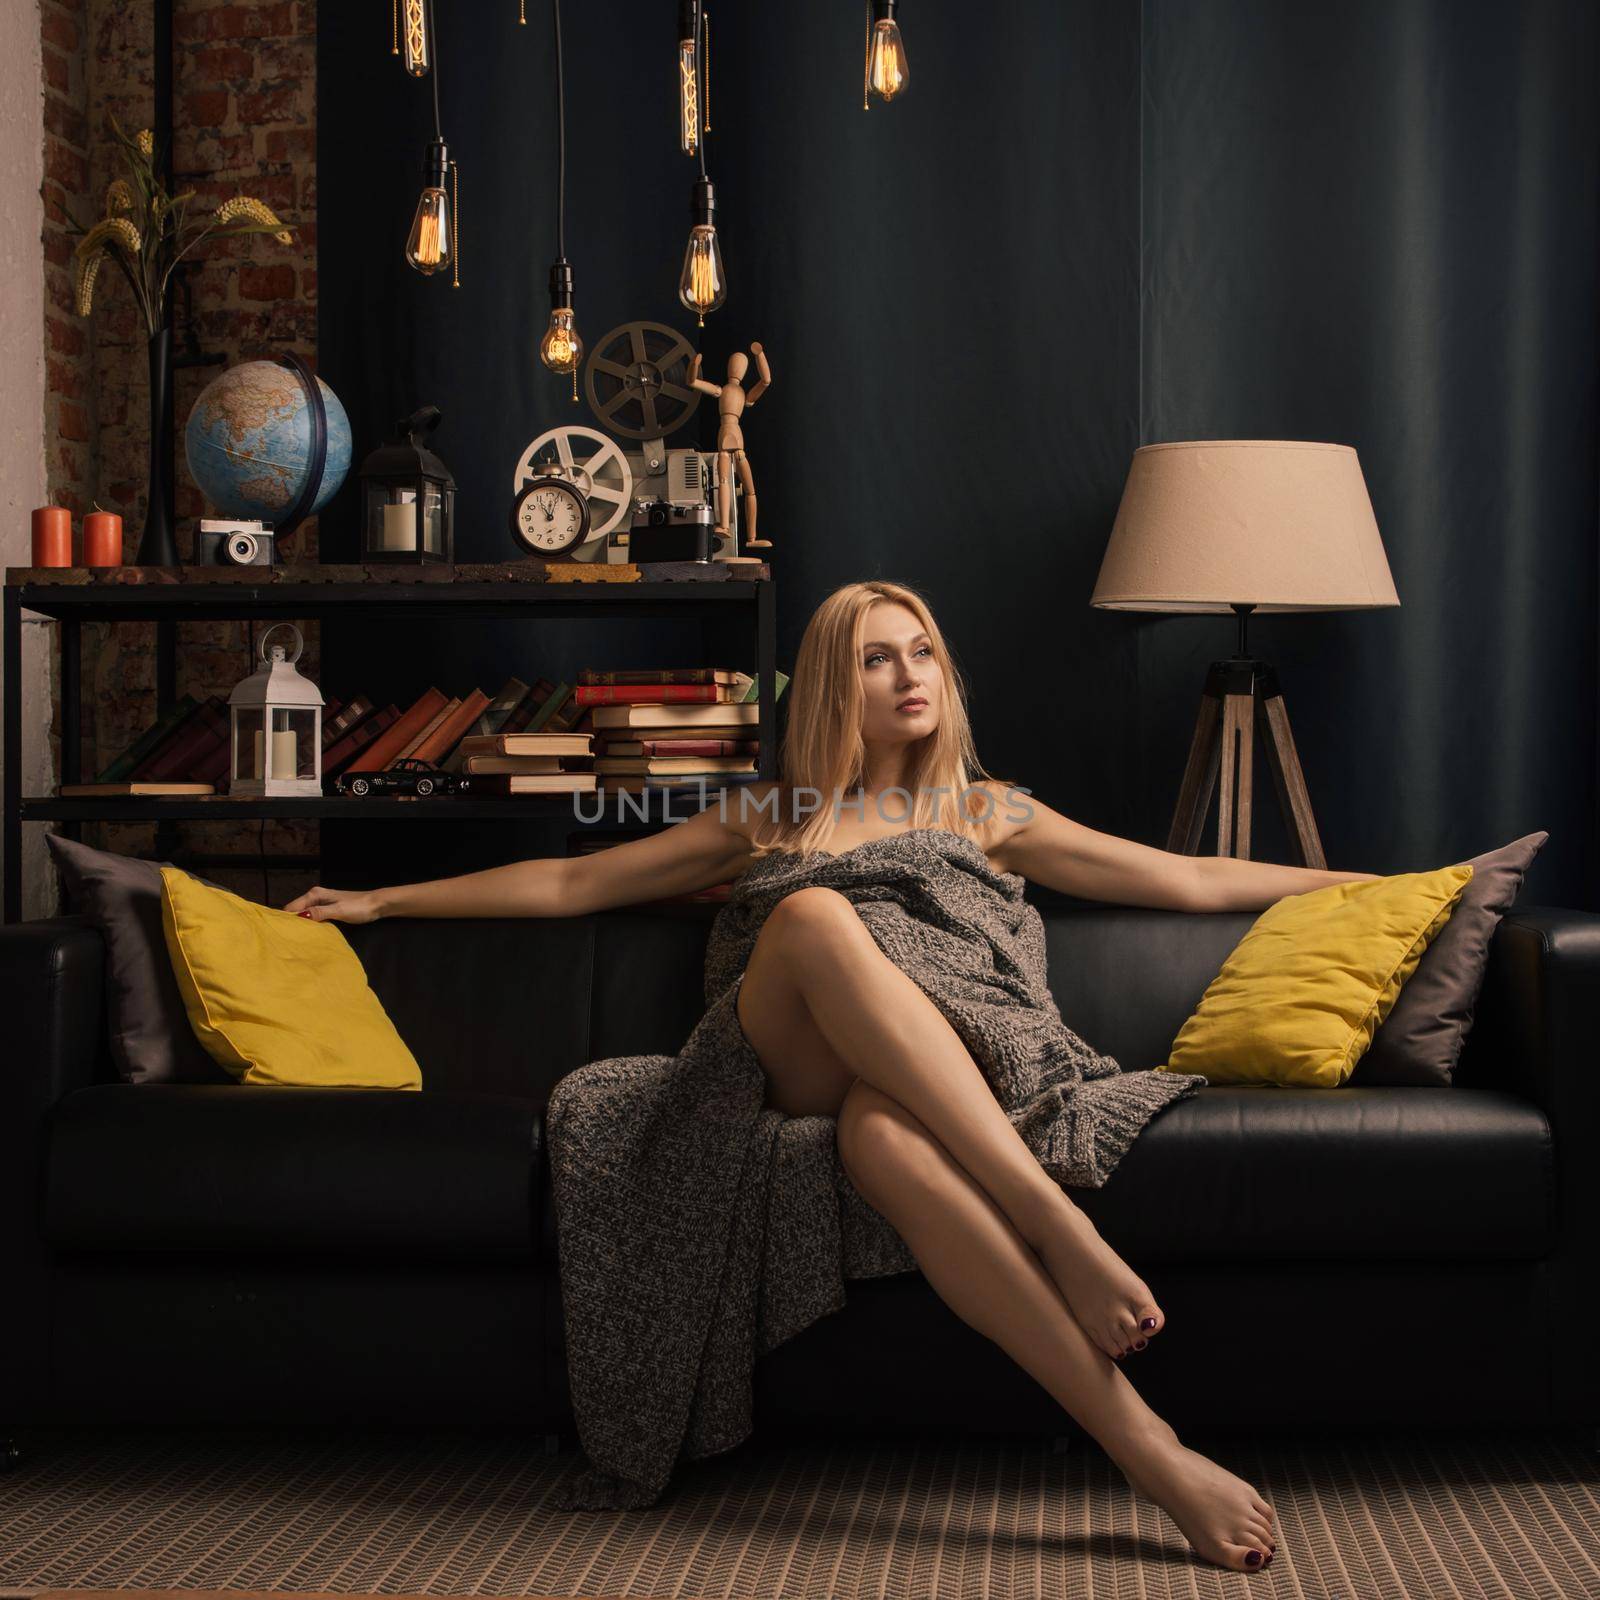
(73, 604)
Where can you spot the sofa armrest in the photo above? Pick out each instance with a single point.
(1534, 1035)
(52, 997)
(52, 991)
(1537, 1011)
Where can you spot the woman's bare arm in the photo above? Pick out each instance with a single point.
(687, 856)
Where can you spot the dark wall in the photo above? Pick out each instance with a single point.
(1087, 227)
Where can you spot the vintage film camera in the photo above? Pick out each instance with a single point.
(223, 543)
(646, 503)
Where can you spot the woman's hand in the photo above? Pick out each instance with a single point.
(337, 905)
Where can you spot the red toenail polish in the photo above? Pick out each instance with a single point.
(1253, 1559)
(1139, 1344)
(1148, 1324)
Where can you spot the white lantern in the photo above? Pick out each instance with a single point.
(277, 726)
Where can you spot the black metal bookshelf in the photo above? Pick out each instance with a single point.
(73, 604)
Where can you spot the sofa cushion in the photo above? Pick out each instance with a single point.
(150, 1037)
(324, 1171)
(278, 999)
(1237, 1173)
(1421, 1039)
(1299, 999)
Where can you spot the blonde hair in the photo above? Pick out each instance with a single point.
(822, 750)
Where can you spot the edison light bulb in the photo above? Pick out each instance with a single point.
(415, 36)
(887, 73)
(561, 349)
(688, 100)
(688, 79)
(703, 285)
(430, 246)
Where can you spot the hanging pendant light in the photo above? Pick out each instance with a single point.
(688, 80)
(702, 284)
(414, 34)
(561, 349)
(433, 244)
(887, 75)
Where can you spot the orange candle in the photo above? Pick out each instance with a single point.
(102, 539)
(52, 537)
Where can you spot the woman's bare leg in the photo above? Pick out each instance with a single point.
(815, 971)
(984, 1270)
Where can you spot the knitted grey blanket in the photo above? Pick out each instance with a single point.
(698, 1228)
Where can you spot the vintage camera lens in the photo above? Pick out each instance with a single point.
(241, 548)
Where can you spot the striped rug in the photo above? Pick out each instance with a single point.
(446, 1512)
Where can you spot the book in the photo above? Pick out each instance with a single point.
(527, 744)
(618, 694)
(548, 708)
(66, 790)
(148, 741)
(449, 733)
(519, 719)
(674, 764)
(399, 734)
(199, 735)
(514, 783)
(216, 764)
(424, 733)
(743, 716)
(512, 694)
(782, 680)
(357, 740)
(528, 764)
(334, 728)
(663, 675)
(658, 746)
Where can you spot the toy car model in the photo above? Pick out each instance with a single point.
(406, 776)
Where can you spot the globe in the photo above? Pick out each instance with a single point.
(248, 442)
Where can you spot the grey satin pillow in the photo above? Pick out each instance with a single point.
(1420, 1040)
(151, 1039)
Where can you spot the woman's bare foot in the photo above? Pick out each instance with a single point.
(1221, 1516)
(1110, 1301)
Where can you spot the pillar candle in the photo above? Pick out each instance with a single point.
(283, 754)
(400, 527)
(52, 537)
(102, 539)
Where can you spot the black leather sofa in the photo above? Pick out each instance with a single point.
(1350, 1257)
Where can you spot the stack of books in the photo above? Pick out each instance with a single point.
(673, 727)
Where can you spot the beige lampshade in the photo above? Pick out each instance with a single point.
(1279, 524)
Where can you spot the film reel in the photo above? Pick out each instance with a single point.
(589, 461)
(637, 380)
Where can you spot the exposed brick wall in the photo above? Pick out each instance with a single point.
(244, 115)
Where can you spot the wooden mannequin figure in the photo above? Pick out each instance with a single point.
(732, 398)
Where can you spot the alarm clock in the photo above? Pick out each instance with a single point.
(550, 516)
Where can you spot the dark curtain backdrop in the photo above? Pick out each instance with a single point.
(1088, 226)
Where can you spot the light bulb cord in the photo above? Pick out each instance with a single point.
(561, 141)
(433, 50)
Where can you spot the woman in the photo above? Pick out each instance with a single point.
(878, 711)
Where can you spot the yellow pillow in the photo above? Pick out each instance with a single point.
(1298, 1001)
(277, 998)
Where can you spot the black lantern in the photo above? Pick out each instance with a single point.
(408, 497)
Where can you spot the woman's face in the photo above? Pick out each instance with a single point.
(897, 664)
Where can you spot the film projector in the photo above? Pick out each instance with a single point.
(581, 495)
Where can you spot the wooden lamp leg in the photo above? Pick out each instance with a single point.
(1239, 695)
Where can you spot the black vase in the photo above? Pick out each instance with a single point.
(157, 547)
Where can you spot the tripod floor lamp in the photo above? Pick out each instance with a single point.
(1244, 525)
